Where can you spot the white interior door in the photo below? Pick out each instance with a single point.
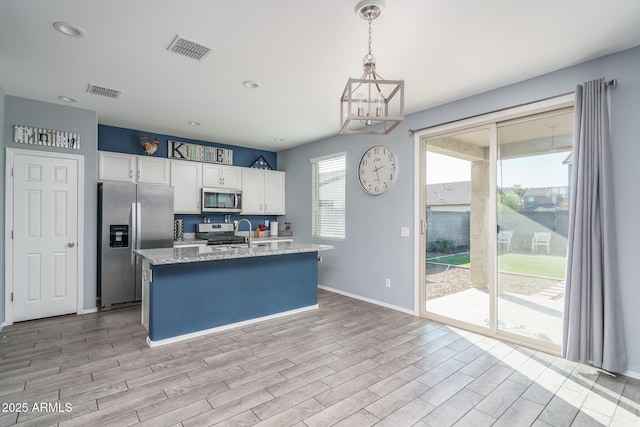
(45, 236)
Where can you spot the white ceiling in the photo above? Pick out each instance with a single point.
(301, 54)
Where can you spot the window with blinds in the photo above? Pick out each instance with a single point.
(328, 196)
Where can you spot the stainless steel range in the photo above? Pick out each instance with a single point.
(218, 234)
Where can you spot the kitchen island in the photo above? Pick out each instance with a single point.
(191, 291)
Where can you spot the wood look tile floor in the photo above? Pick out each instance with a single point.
(349, 363)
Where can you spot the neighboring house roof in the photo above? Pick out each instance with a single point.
(449, 193)
(546, 192)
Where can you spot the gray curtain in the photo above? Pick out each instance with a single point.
(592, 320)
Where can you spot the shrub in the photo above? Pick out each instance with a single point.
(445, 245)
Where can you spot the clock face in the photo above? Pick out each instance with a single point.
(377, 170)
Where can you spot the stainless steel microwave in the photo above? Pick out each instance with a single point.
(221, 200)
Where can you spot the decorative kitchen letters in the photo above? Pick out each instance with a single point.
(199, 153)
(51, 138)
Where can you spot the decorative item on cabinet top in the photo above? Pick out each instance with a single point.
(199, 153)
(39, 136)
(261, 163)
(150, 148)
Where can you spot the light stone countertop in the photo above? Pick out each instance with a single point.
(181, 255)
(189, 241)
(192, 240)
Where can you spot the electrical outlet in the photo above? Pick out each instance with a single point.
(387, 283)
(404, 231)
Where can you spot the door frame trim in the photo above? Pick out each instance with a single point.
(8, 225)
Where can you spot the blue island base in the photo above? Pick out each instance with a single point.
(191, 299)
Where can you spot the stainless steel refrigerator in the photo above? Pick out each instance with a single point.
(131, 216)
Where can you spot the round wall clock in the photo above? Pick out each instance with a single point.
(377, 170)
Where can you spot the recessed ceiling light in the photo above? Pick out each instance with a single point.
(69, 29)
(278, 139)
(250, 84)
(67, 98)
(194, 123)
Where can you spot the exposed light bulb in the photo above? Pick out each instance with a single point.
(379, 104)
(361, 100)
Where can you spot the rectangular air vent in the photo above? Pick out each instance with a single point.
(103, 91)
(189, 48)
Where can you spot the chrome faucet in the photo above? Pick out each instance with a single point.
(235, 231)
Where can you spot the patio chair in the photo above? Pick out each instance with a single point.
(541, 238)
(505, 237)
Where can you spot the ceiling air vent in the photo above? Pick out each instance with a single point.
(103, 91)
(188, 48)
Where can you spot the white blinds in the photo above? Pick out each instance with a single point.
(328, 196)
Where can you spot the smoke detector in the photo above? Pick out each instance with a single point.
(188, 48)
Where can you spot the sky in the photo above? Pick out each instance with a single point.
(536, 171)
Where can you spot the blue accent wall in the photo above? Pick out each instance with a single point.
(190, 221)
(123, 140)
(192, 297)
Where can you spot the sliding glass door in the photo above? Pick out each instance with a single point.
(533, 173)
(457, 201)
(496, 220)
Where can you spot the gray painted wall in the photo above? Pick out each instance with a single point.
(374, 249)
(2, 161)
(27, 112)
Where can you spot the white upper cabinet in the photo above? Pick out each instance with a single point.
(186, 179)
(116, 167)
(262, 192)
(132, 168)
(221, 176)
(273, 192)
(252, 191)
(152, 170)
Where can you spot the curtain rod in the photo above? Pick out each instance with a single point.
(612, 83)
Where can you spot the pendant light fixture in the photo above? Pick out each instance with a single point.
(371, 100)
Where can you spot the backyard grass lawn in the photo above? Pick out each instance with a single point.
(532, 264)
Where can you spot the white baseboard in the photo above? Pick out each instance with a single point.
(631, 374)
(361, 298)
(89, 310)
(229, 326)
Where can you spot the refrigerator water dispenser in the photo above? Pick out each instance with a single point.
(119, 236)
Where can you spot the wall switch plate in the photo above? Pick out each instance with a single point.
(404, 231)
(387, 283)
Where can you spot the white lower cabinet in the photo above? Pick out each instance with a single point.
(263, 192)
(186, 179)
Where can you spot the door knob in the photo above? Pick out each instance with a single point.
(71, 244)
